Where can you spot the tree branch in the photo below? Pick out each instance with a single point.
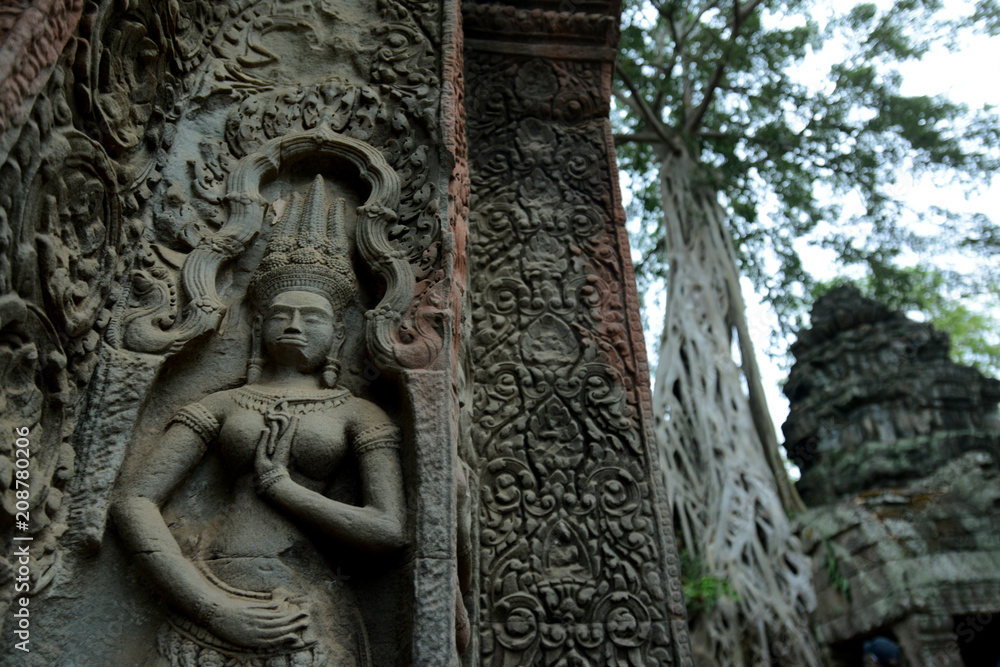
(628, 100)
(638, 137)
(673, 143)
(739, 18)
(696, 17)
(727, 136)
(749, 9)
(706, 100)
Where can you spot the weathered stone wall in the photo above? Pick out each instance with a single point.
(139, 190)
(899, 451)
(911, 561)
(576, 560)
(150, 154)
(875, 401)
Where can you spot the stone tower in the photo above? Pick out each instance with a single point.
(899, 450)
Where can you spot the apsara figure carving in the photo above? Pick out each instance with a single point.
(261, 589)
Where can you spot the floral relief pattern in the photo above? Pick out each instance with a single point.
(571, 563)
(380, 86)
(61, 263)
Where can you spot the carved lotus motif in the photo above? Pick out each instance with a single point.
(550, 341)
(580, 164)
(536, 81)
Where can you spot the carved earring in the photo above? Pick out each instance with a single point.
(331, 372)
(255, 366)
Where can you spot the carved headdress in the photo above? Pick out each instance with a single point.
(307, 251)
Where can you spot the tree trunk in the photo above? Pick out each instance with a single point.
(725, 498)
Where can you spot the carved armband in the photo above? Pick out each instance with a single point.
(377, 437)
(197, 418)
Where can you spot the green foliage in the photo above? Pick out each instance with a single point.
(939, 297)
(837, 580)
(720, 80)
(701, 591)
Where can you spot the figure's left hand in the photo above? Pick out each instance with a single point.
(274, 449)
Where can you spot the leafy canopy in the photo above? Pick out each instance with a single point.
(801, 156)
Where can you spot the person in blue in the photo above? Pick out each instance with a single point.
(882, 652)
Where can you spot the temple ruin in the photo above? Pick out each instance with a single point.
(899, 449)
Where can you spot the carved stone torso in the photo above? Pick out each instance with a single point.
(327, 418)
(320, 441)
(253, 549)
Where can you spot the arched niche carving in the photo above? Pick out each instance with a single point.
(375, 217)
(337, 496)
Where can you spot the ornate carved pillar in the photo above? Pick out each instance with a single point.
(577, 563)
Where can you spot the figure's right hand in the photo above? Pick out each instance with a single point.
(259, 624)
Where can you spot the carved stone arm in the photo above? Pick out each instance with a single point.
(142, 490)
(379, 526)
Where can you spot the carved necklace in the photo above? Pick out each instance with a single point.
(295, 401)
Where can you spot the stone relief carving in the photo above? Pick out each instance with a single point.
(571, 561)
(495, 20)
(62, 238)
(162, 230)
(31, 39)
(189, 118)
(258, 587)
(200, 271)
(384, 98)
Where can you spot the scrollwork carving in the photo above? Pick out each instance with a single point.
(78, 224)
(572, 561)
(31, 40)
(62, 238)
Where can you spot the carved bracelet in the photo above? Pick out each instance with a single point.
(269, 479)
(204, 612)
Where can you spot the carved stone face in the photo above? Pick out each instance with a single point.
(299, 329)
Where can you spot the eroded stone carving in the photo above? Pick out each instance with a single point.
(188, 125)
(257, 587)
(62, 240)
(171, 101)
(874, 399)
(32, 36)
(899, 448)
(573, 568)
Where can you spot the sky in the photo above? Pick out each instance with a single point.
(966, 75)
(958, 75)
